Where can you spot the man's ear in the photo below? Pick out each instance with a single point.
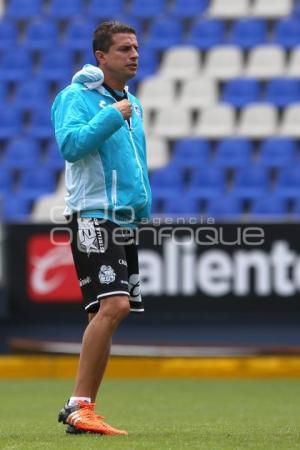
(100, 57)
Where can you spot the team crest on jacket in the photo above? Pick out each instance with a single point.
(137, 109)
(106, 274)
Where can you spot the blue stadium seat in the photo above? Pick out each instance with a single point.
(167, 178)
(183, 206)
(24, 9)
(240, 92)
(248, 33)
(148, 62)
(288, 182)
(296, 11)
(157, 202)
(224, 206)
(31, 94)
(65, 9)
(278, 152)
(161, 196)
(134, 22)
(287, 33)
(206, 34)
(15, 65)
(3, 93)
(10, 122)
(41, 34)
(165, 183)
(174, 203)
(296, 206)
(53, 158)
(34, 183)
(6, 180)
(105, 9)
(283, 91)
(21, 153)
(190, 153)
(207, 181)
(8, 34)
(15, 208)
(188, 9)
(41, 126)
(233, 153)
(165, 33)
(56, 65)
(144, 9)
(251, 181)
(87, 57)
(79, 32)
(270, 205)
(64, 82)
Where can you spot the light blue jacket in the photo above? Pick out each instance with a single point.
(106, 168)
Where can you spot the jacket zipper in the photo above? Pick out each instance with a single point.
(114, 188)
(136, 155)
(139, 164)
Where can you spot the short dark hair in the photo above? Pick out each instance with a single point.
(104, 32)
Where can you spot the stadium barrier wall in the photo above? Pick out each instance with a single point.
(3, 297)
(33, 366)
(189, 272)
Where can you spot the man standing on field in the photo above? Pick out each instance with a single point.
(99, 130)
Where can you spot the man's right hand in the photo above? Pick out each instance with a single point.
(124, 106)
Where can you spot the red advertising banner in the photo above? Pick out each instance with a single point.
(51, 276)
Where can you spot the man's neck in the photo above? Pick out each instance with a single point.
(109, 87)
(114, 84)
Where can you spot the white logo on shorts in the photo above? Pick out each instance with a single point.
(85, 281)
(123, 262)
(87, 236)
(135, 287)
(90, 236)
(106, 274)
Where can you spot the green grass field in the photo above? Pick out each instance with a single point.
(160, 415)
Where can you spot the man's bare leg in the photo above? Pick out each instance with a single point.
(96, 344)
(102, 367)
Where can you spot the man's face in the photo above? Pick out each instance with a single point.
(121, 61)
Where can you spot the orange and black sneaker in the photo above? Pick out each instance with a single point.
(64, 414)
(82, 418)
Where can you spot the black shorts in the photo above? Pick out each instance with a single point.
(106, 261)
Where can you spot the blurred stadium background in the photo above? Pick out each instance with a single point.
(220, 85)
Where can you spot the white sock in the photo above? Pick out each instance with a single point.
(74, 400)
